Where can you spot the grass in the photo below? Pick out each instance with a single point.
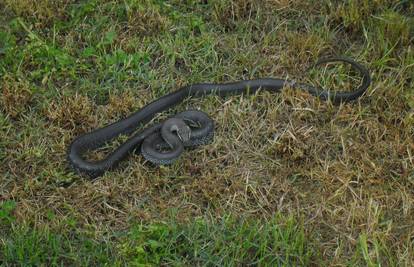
(228, 241)
(289, 180)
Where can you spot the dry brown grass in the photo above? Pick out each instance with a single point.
(71, 112)
(15, 96)
(43, 11)
(145, 19)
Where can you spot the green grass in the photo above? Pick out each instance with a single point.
(204, 241)
(210, 242)
(29, 247)
(289, 179)
(223, 243)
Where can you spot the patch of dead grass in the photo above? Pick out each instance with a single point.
(72, 112)
(43, 11)
(120, 105)
(15, 97)
(145, 18)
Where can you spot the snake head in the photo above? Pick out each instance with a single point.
(181, 128)
(184, 133)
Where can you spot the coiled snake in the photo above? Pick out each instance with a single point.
(164, 142)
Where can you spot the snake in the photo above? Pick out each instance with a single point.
(164, 142)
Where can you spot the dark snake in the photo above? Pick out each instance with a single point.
(163, 142)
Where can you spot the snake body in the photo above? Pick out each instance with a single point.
(147, 139)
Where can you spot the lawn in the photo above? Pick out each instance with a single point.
(290, 180)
